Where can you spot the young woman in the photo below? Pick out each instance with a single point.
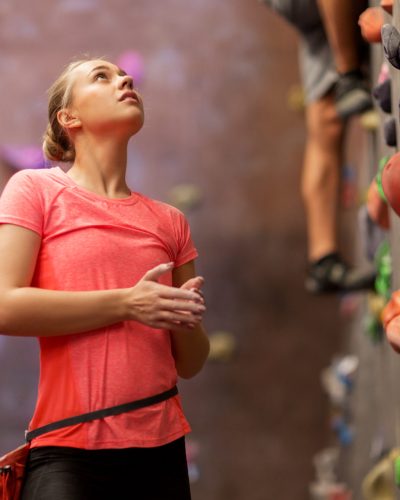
(105, 278)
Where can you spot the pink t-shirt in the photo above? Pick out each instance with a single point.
(90, 242)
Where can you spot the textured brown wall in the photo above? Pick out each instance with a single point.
(216, 79)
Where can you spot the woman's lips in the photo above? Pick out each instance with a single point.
(129, 95)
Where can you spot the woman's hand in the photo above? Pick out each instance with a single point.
(165, 307)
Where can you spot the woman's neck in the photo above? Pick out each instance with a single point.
(100, 166)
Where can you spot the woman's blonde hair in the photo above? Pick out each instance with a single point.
(57, 145)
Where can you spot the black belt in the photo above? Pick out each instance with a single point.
(106, 412)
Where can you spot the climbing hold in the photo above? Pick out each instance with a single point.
(384, 72)
(389, 131)
(391, 320)
(391, 182)
(377, 207)
(346, 367)
(391, 44)
(383, 96)
(371, 22)
(222, 346)
(185, 196)
(343, 431)
(192, 452)
(393, 333)
(371, 234)
(379, 483)
(387, 5)
(325, 463)
(296, 98)
(132, 63)
(372, 322)
(330, 491)
(378, 177)
(370, 120)
(20, 158)
(383, 264)
(337, 379)
(392, 309)
(376, 304)
(326, 485)
(397, 471)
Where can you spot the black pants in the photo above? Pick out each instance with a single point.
(59, 473)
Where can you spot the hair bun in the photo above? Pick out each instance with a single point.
(57, 149)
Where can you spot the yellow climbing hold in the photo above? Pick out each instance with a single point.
(222, 345)
(370, 120)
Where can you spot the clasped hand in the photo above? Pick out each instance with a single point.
(166, 307)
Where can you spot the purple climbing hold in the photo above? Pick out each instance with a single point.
(132, 62)
(382, 94)
(389, 132)
(20, 158)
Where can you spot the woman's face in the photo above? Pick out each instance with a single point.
(104, 99)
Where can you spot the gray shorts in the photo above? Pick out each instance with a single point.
(316, 62)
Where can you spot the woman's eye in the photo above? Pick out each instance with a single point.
(100, 76)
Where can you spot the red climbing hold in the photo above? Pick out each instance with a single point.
(391, 182)
(391, 321)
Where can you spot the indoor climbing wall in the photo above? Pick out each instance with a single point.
(223, 140)
(369, 460)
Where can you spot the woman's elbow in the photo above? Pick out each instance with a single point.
(187, 373)
(190, 370)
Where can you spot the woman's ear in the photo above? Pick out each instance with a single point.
(67, 119)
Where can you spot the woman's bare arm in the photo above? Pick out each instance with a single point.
(190, 345)
(29, 311)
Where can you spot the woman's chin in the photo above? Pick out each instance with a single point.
(134, 124)
(127, 127)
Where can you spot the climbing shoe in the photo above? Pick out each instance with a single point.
(352, 95)
(331, 274)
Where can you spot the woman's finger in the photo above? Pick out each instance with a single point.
(177, 317)
(170, 292)
(182, 305)
(176, 327)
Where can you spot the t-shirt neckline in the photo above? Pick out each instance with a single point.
(129, 200)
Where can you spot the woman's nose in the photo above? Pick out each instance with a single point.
(126, 81)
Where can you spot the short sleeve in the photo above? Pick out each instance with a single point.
(186, 249)
(20, 203)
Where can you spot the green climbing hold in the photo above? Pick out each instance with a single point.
(383, 263)
(397, 471)
(378, 177)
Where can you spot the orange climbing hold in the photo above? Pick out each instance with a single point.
(371, 22)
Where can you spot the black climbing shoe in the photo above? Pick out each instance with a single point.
(352, 95)
(331, 274)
